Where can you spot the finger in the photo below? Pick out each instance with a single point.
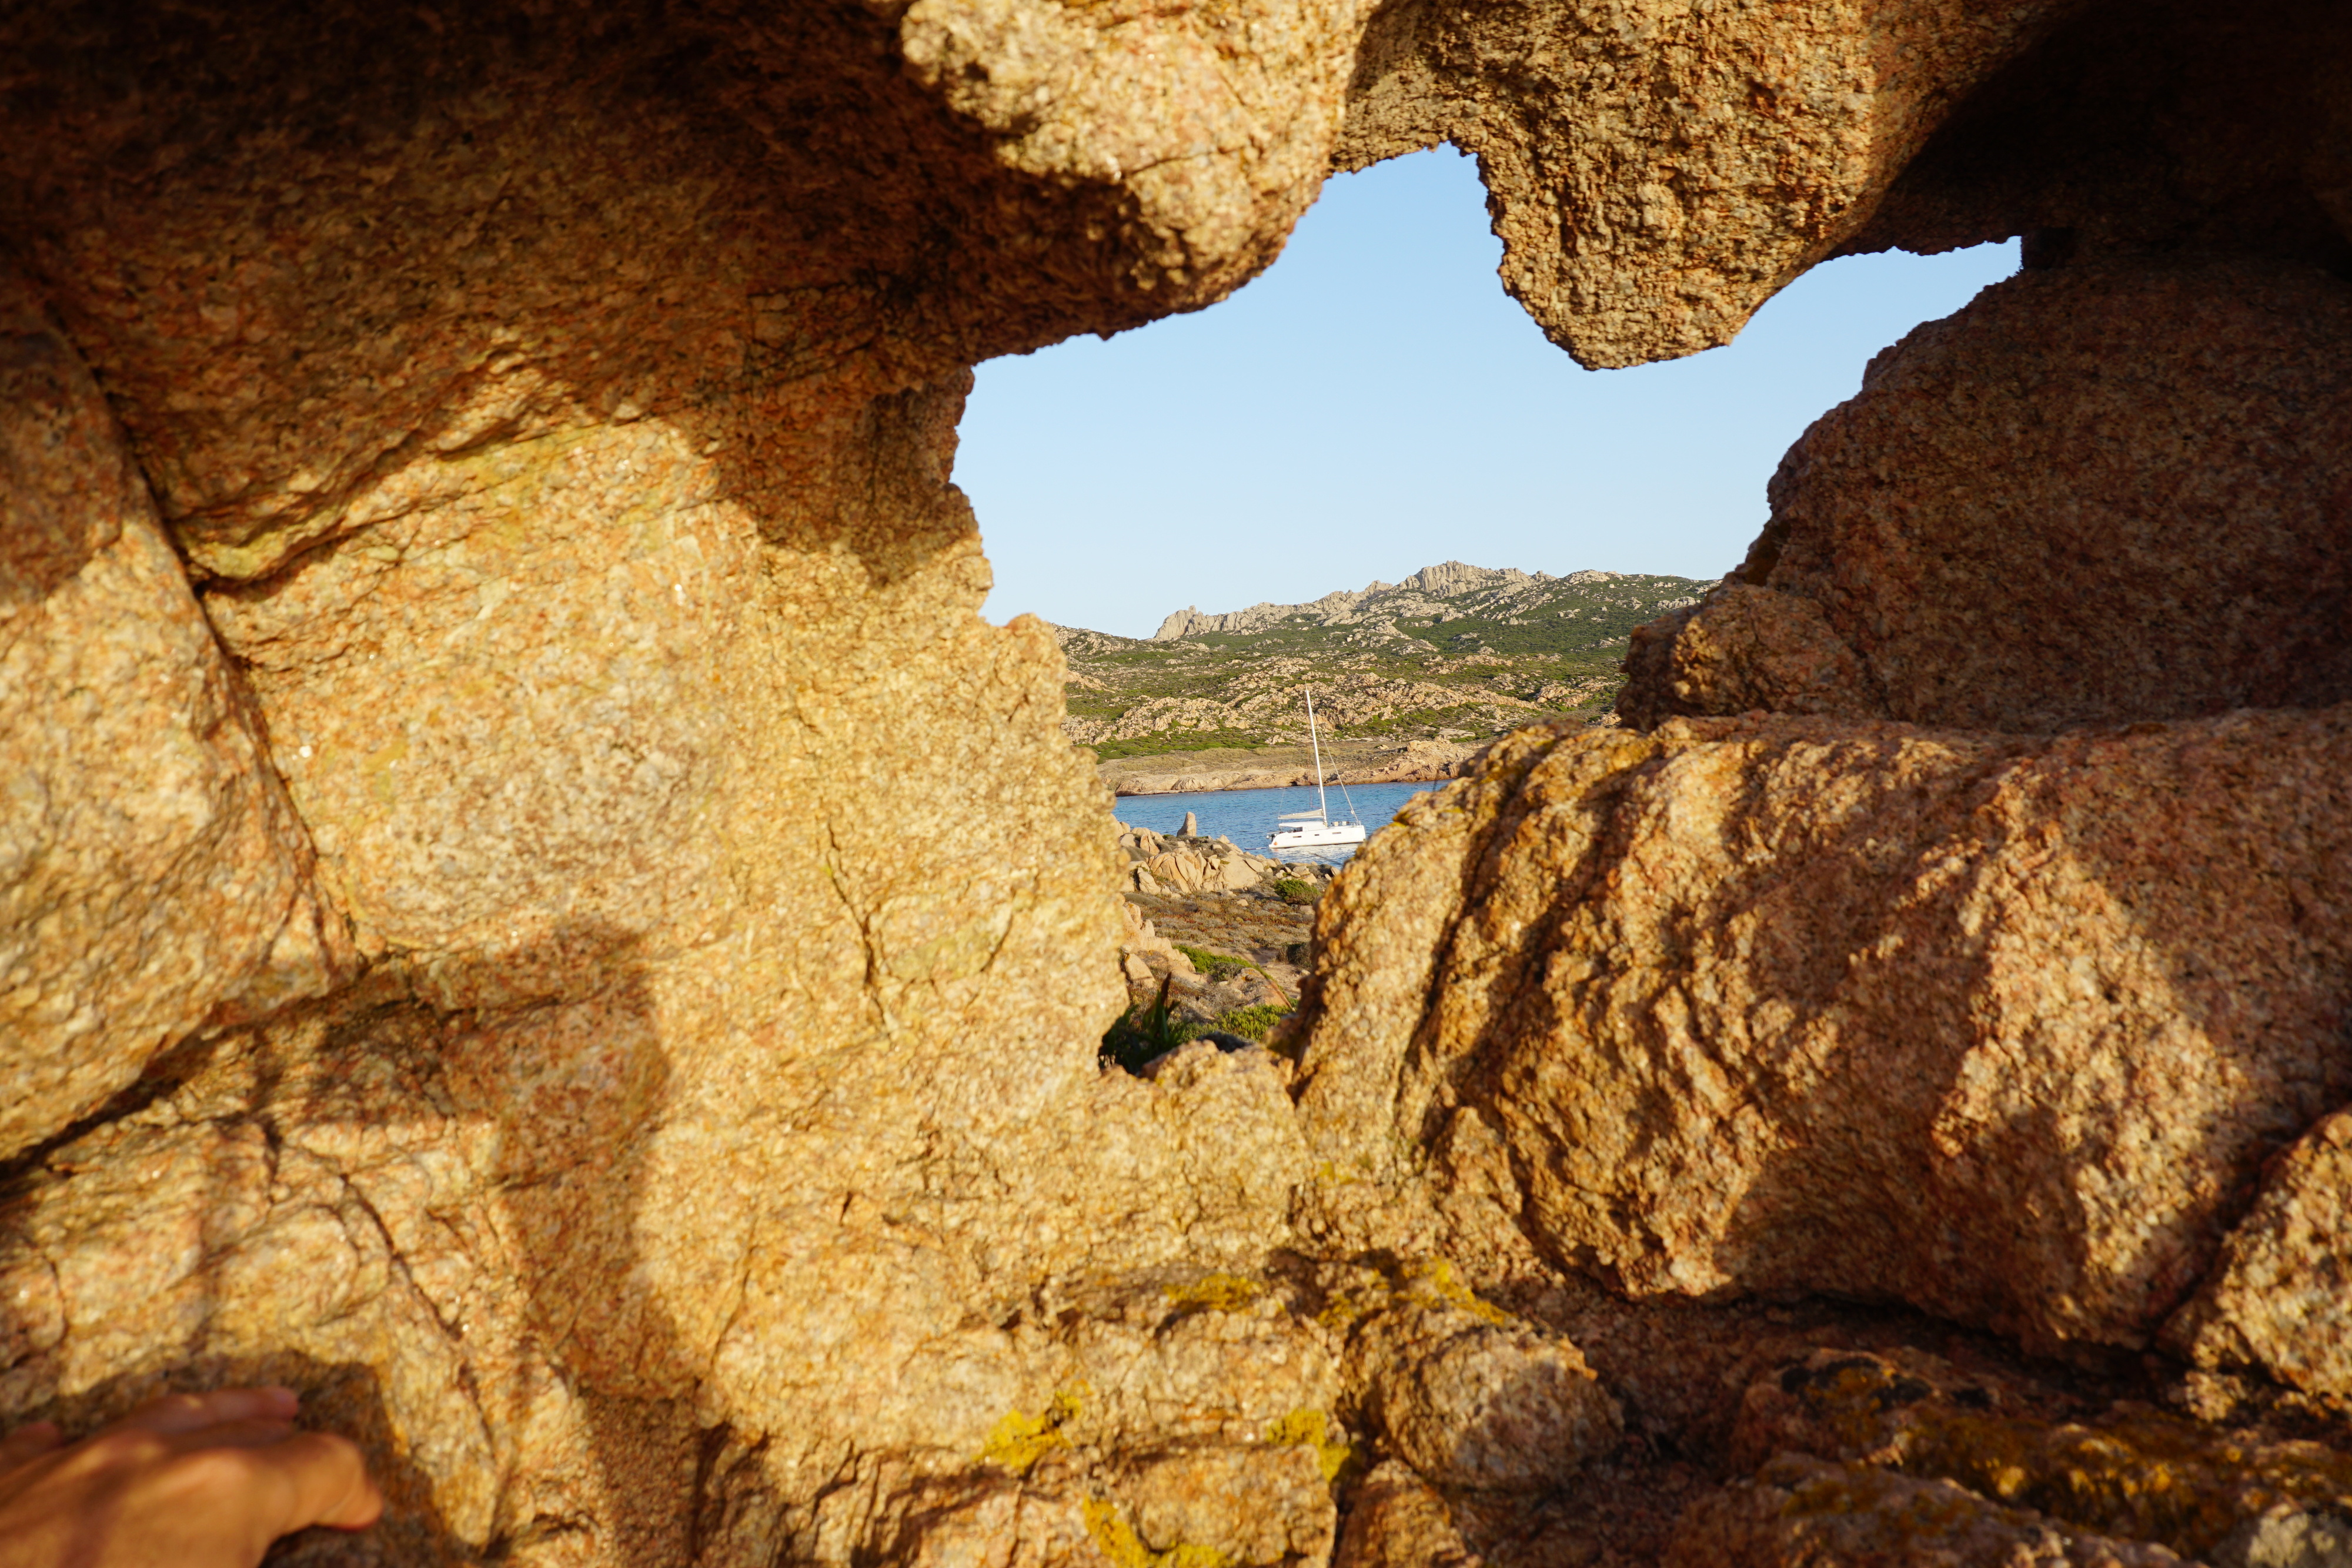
(29, 1441)
(253, 1434)
(324, 1480)
(188, 1412)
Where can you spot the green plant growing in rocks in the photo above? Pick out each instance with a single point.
(1145, 1030)
(1214, 966)
(1253, 1023)
(1295, 889)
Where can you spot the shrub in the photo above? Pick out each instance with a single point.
(1294, 890)
(1215, 966)
(1145, 1030)
(1252, 1023)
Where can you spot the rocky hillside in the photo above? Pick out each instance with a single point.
(1452, 652)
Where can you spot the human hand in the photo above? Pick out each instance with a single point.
(192, 1480)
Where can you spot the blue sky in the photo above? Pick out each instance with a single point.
(1374, 402)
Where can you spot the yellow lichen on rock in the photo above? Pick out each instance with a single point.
(1311, 1428)
(1018, 1441)
(2132, 1472)
(1218, 1292)
(1116, 1537)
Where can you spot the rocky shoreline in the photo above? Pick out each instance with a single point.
(1176, 773)
(1216, 899)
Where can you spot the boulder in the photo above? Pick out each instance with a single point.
(1999, 1027)
(1257, 1504)
(1146, 957)
(1470, 1395)
(2280, 1300)
(2106, 492)
(1184, 871)
(1399, 1521)
(1140, 843)
(154, 877)
(1201, 866)
(1472, 1398)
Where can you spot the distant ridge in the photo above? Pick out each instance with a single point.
(1342, 608)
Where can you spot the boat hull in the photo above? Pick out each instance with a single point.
(1317, 836)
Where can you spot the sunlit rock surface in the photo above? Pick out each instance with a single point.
(1996, 1026)
(1658, 171)
(2105, 492)
(154, 877)
(2280, 1300)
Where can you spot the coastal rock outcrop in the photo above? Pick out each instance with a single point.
(2111, 491)
(1995, 1026)
(618, 945)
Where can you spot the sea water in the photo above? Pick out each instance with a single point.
(1247, 816)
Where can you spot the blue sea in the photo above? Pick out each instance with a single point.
(1247, 816)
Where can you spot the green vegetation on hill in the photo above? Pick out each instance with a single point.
(1454, 653)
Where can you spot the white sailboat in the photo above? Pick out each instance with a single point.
(1316, 829)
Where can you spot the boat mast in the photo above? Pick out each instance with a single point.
(1322, 796)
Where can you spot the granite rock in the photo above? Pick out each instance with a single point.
(1744, 649)
(2280, 1300)
(1474, 1400)
(1997, 1026)
(556, 413)
(2100, 493)
(603, 951)
(2126, 1470)
(1803, 1512)
(1256, 1504)
(1396, 1519)
(154, 877)
(1656, 174)
(2153, 130)
(488, 1242)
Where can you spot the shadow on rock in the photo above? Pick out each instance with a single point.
(422, 1214)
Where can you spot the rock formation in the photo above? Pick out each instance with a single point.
(1971, 1022)
(2145, 516)
(581, 683)
(1708, 161)
(535, 911)
(1416, 593)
